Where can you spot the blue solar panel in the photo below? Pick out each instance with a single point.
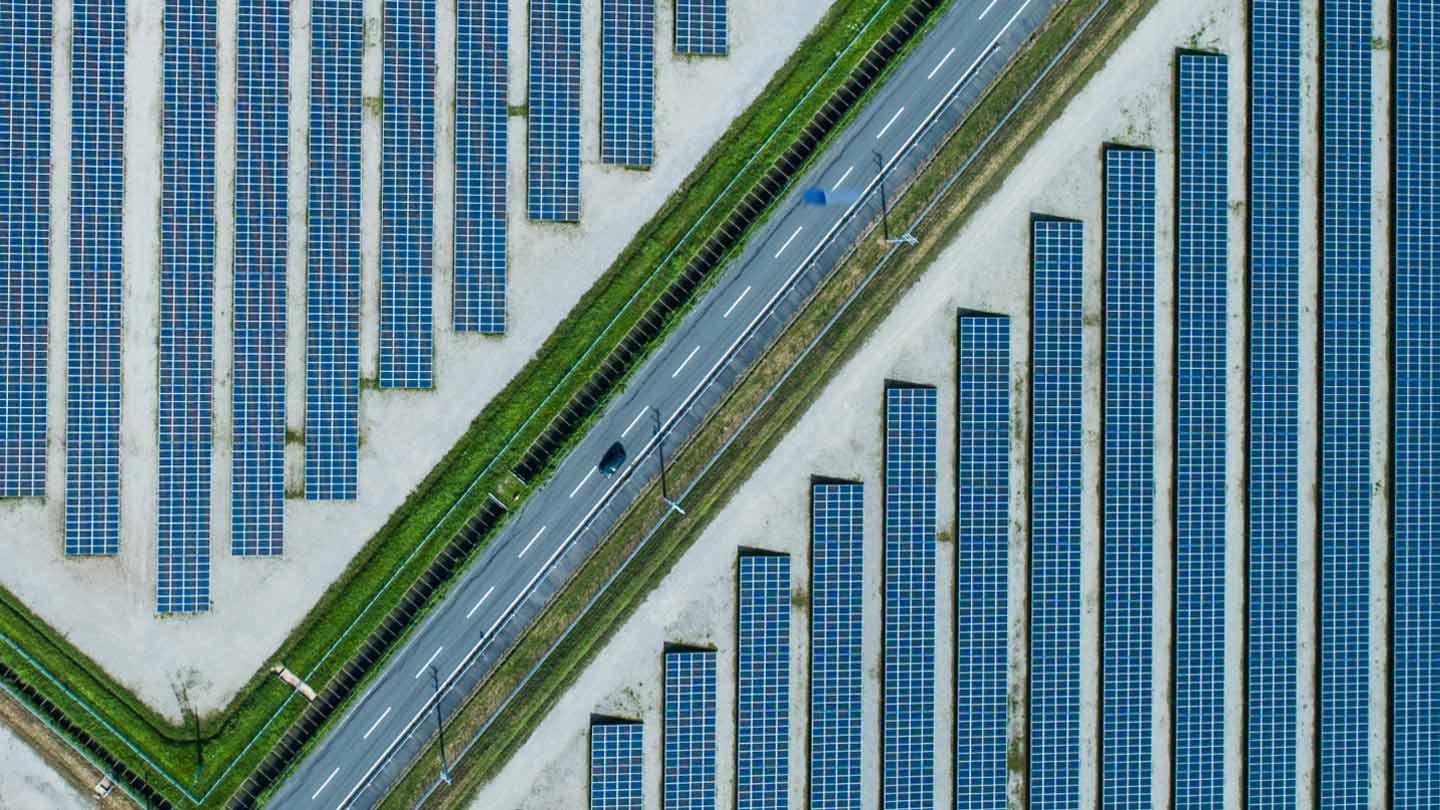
(1129, 476)
(553, 164)
(24, 245)
(627, 82)
(407, 206)
(1200, 434)
(262, 127)
(1415, 734)
(836, 616)
(1055, 404)
(481, 143)
(762, 725)
(617, 760)
(689, 782)
(1274, 379)
(187, 308)
(908, 716)
(332, 281)
(982, 543)
(1344, 755)
(702, 27)
(92, 362)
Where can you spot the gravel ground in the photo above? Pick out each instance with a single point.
(27, 782)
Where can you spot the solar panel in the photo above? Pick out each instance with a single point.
(1415, 733)
(187, 307)
(689, 782)
(1200, 374)
(92, 357)
(1129, 477)
(407, 206)
(481, 143)
(1274, 379)
(701, 27)
(1344, 751)
(762, 726)
(627, 82)
(908, 715)
(24, 245)
(1055, 406)
(262, 127)
(836, 615)
(553, 171)
(617, 759)
(982, 542)
(332, 281)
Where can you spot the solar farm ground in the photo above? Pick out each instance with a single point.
(403, 433)
(1129, 101)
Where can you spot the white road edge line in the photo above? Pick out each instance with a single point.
(582, 482)
(560, 549)
(325, 784)
(635, 421)
(886, 128)
(987, 10)
(377, 722)
(481, 602)
(743, 293)
(842, 178)
(685, 362)
(947, 56)
(788, 241)
(532, 542)
(429, 661)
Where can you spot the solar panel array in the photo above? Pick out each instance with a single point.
(702, 27)
(689, 781)
(981, 554)
(908, 715)
(481, 144)
(553, 166)
(187, 307)
(262, 125)
(1200, 433)
(1274, 379)
(617, 765)
(1415, 733)
(1056, 262)
(762, 727)
(1344, 751)
(407, 205)
(836, 615)
(332, 281)
(24, 245)
(627, 82)
(92, 359)
(1129, 477)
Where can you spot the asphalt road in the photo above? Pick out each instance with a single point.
(520, 561)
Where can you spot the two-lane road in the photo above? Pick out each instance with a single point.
(341, 770)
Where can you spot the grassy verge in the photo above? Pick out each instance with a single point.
(477, 465)
(510, 724)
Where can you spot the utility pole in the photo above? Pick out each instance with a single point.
(440, 724)
(664, 488)
(905, 238)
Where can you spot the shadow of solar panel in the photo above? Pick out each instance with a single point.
(262, 127)
(836, 616)
(481, 144)
(24, 245)
(1055, 411)
(627, 86)
(702, 27)
(1200, 380)
(1274, 379)
(553, 157)
(187, 307)
(407, 205)
(981, 554)
(92, 358)
(762, 727)
(689, 779)
(332, 280)
(617, 759)
(908, 714)
(1415, 752)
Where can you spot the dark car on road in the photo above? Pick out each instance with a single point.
(613, 459)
